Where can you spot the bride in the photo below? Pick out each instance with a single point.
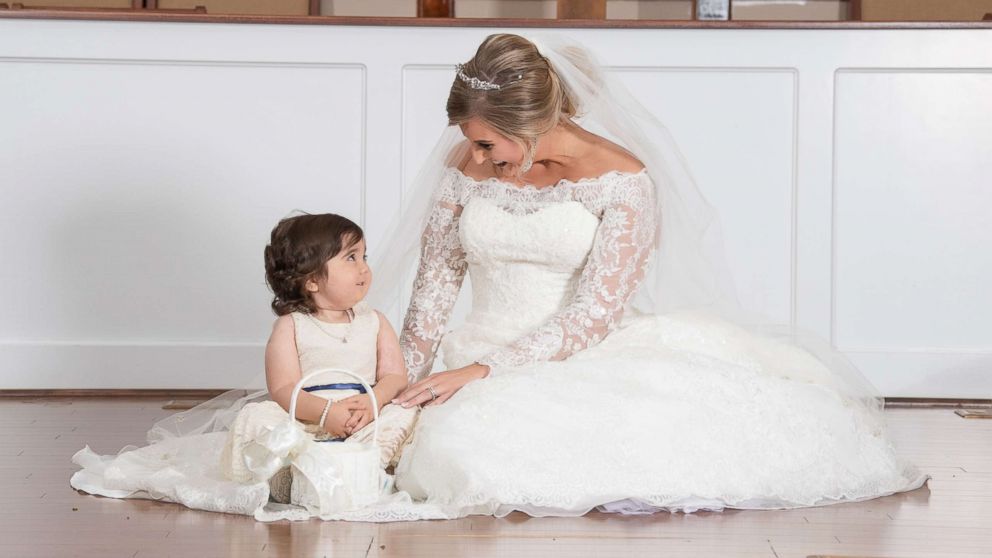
(605, 362)
(592, 370)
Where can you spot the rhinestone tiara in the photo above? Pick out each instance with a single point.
(476, 83)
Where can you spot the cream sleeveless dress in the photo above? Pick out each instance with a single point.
(351, 346)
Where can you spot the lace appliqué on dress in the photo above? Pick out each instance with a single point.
(439, 278)
(624, 203)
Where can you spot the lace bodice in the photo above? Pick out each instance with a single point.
(552, 268)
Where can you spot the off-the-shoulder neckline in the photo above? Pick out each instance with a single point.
(562, 182)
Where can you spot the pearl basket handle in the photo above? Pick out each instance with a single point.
(368, 390)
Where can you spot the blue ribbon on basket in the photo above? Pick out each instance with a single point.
(322, 387)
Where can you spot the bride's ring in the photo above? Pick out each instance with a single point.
(433, 393)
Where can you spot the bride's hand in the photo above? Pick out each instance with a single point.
(444, 384)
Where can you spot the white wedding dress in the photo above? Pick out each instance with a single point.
(586, 406)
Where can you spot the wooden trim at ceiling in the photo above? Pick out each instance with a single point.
(146, 15)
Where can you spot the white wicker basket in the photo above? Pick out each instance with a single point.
(343, 475)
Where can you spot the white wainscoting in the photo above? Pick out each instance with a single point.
(142, 166)
(912, 263)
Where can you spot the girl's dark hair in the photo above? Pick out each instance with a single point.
(299, 248)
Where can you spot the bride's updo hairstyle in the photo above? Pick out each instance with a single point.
(531, 99)
(298, 249)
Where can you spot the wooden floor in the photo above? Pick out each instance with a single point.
(43, 516)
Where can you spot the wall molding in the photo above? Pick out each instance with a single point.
(869, 348)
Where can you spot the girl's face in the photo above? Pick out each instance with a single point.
(488, 144)
(346, 282)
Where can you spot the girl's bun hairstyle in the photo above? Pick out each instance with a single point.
(297, 251)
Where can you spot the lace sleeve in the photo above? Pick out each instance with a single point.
(439, 278)
(616, 264)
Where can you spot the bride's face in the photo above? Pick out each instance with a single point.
(490, 145)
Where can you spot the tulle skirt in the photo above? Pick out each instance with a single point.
(677, 413)
(208, 471)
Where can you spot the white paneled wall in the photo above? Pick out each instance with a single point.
(712, 124)
(913, 222)
(142, 166)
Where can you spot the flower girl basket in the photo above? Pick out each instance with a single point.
(342, 476)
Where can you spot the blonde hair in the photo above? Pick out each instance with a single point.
(531, 99)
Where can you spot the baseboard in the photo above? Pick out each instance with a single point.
(102, 368)
(935, 403)
(204, 394)
(99, 367)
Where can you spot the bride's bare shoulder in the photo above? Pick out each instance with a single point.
(609, 157)
(623, 161)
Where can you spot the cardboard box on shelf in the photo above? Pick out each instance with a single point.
(260, 7)
(920, 10)
(115, 4)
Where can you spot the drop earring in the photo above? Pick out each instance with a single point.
(529, 161)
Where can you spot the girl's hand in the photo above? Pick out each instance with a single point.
(445, 384)
(361, 412)
(337, 418)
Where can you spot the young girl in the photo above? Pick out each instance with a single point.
(316, 267)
